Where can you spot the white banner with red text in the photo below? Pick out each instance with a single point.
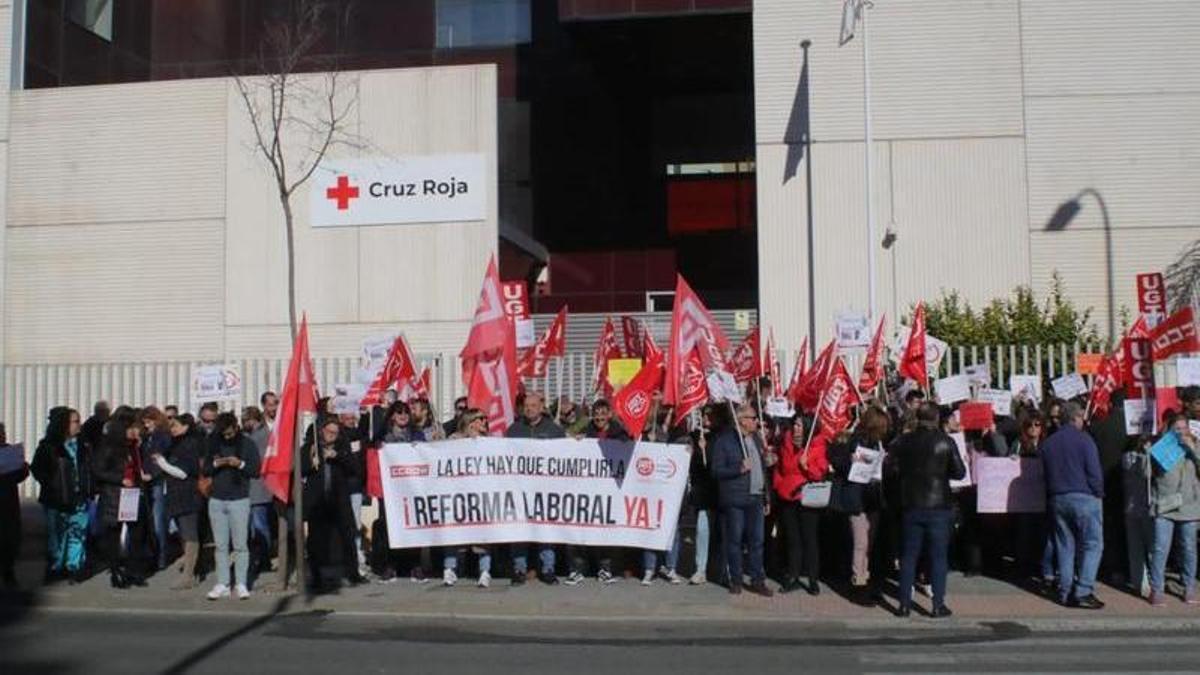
(499, 490)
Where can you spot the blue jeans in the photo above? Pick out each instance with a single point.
(450, 560)
(230, 521)
(520, 559)
(158, 502)
(1139, 542)
(1078, 528)
(742, 524)
(702, 536)
(260, 522)
(650, 558)
(925, 530)
(1164, 531)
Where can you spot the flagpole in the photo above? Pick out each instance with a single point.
(558, 396)
(298, 494)
(741, 438)
(869, 152)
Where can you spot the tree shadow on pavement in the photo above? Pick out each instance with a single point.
(206, 651)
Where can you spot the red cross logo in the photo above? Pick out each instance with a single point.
(343, 193)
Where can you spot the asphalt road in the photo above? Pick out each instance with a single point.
(125, 642)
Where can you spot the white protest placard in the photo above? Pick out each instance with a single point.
(1001, 400)
(375, 349)
(779, 407)
(525, 333)
(862, 470)
(1140, 416)
(960, 441)
(586, 492)
(1069, 386)
(980, 374)
(347, 398)
(1010, 485)
(1188, 370)
(722, 387)
(935, 349)
(1028, 385)
(216, 383)
(127, 505)
(1194, 427)
(952, 389)
(852, 330)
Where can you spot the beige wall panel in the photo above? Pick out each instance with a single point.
(937, 69)
(344, 340)
(114, 292)
(1077, 47)
(118, 153)
(1141, 153)
(6, 47)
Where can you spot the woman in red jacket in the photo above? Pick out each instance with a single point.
(796, 467)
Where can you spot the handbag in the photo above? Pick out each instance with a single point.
(815, 495)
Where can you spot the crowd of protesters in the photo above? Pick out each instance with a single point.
(767, 497)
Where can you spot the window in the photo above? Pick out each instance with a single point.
(482, 23)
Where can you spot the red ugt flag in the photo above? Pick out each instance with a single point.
(634, 402)
(490, 324)
(839, 394)
(1176, 335)
(793, 390)
(1108, 380)
(692, 328)
(813, 382)
(872, 371)
(912, 363)
(606, 349)
(399, 369)
(771, 365)
(693, 390)
(744, 363)
(493, 385)
(299, 397)
(553, 342)
(631, 332)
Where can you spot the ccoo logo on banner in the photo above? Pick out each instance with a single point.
(388, 191)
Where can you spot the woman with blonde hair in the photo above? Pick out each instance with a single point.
(471, 424)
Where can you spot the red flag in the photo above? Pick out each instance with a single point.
(793, 390)
(398, 370)
(417, 387)
(744, 362)
(912, 363)
(493, 386)
(813, 382)
(606, 349)
(1138, 374)
(872, 371)
(634, 402)
(692, 327)
(838, 395)
(299, 397)
(771, 365)
(1176, 335)
(1108, 379)
(693, 389)
(553, 342)
(631, 332)
(490, 323)
(650, 350)
(1138, 329)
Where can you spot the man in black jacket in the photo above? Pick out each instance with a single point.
(926, 460)
(741, 472)
(534, 424)
(601, 427)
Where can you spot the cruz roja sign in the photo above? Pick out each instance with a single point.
(389, 191)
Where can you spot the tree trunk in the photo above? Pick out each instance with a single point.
(286, 202)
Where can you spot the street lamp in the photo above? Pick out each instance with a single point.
(1063, 216)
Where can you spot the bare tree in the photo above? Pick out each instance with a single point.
(299, 107)
(1183, 278)
(297, 115)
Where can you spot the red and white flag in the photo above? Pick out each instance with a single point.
(693, 389)
(1107, 381)
(536, 359)
(912, 363)
(650, 349)
(634, 403)
(299, 398)
(837, 396)
(606, 349)
(872, 372)
(1175, 335)
(493, 385)
(801, 367)
(490, 324)
(418, 388)
(771, 365)
(631, 333)
(744, 363)
(693, 328)
(1138, 367)
(811, 385)
(398, 370)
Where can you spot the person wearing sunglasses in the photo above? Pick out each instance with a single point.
(740, 469)
(1034, 546)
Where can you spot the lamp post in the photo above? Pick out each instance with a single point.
(1063, 216)
(854, 11)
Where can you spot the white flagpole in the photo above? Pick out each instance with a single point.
(868, 149)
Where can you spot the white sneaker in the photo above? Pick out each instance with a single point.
(673, 578)
(362, 559)
(219, 591)
(243, 593)
(663, 571)
(449, 578)
(698, 579)
(485, 579)
(605, 577)
(648, 578)
(573, 579)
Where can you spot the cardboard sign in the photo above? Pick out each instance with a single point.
(1152, 298)
(980, 374)
(999, 399)
(1088, 364)
(722, 387)
(1028, 385)
(780, 407)
(960, 441)
(852, 330)
(1140, 416)
(621, 371)
(976, 416)
(952, 389)
(216, 383)
(127, 506)
(347, 398)
(1069, 386)
(862, 472)
(1010, 485)
(935, 349)
(1187, 370)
